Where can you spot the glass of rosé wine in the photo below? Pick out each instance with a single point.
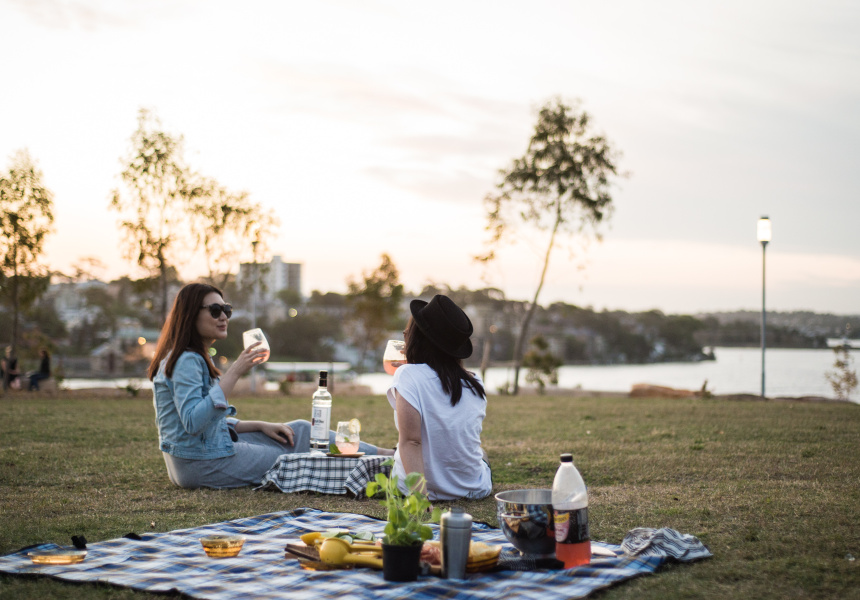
(347, 437)
(256, 335)
(394, 356)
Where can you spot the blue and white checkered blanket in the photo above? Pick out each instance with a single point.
(327, 475)
(161, 562)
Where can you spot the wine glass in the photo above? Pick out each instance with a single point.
(346, 438)
(256, 335)
(394, 356)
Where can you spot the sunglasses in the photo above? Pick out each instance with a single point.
(216, 309)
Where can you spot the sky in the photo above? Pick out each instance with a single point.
(379, 127)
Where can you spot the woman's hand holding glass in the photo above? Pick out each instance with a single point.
(254, 337)
(394, 356)
(249, 357)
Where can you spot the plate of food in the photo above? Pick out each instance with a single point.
(61, 556)
(482, 557)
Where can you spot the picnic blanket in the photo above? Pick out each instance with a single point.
(175, 561)
(329, 475)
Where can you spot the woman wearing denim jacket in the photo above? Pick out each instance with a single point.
(202, 442)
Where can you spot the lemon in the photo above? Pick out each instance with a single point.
(310, 538)
(354, 426)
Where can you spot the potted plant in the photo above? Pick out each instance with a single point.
(407, 529)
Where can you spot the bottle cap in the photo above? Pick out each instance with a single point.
(566, 458)
(457, 518)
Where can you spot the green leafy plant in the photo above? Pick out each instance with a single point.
(408, 514)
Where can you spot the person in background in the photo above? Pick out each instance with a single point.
(439, 407)
(44, 371)
(202, 442)
(11, 374)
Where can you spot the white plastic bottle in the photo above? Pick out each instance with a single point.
(321, 416)
(570, 511)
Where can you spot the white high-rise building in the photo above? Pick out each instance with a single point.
(270, 278)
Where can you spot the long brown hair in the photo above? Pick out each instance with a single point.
(420, 350)
(180, 331)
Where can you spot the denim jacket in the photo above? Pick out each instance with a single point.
(191, 411)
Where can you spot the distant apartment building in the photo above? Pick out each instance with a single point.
(268, 279)
(70, 301)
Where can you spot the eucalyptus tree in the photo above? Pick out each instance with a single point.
(375, 307)
(224, 224)
(559, 187)
(26, 218)
(153, 201)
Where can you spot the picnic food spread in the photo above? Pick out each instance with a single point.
(336, 549)
(347, 549)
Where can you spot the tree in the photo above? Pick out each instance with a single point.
(678, 332)
(560, 186)
(154, 200)
(541, 363)
(225, 223)
(86, 268)
(843, 378)
(306, 337)
(375, 304)
(26, 218)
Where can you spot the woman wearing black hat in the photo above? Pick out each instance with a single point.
(439, 406)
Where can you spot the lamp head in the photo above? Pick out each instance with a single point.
(764, 230)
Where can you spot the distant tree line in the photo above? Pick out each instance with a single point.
(793, 329)
(324, 325)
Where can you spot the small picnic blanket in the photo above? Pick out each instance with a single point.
(175, 561)
(329, 475)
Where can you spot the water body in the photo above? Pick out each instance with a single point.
(789, 372)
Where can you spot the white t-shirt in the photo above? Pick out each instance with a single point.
(450, 435)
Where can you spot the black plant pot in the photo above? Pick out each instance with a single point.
(401, 563)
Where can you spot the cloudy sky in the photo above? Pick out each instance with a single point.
(379, 126)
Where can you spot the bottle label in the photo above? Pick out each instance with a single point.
(571, 526)
(319, 423)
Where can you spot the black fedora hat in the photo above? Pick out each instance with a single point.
(445, 324)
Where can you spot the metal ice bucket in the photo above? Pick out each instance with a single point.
(525, 517)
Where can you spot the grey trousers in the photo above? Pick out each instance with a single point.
(254, 454)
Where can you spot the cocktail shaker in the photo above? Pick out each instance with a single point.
(456, 534)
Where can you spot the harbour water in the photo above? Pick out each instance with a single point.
(788, 372)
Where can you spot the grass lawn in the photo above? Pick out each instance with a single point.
(773, 488)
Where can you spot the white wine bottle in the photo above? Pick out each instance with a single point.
(321, 416)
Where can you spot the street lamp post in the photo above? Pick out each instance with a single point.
(764, 236)
(254, 311)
